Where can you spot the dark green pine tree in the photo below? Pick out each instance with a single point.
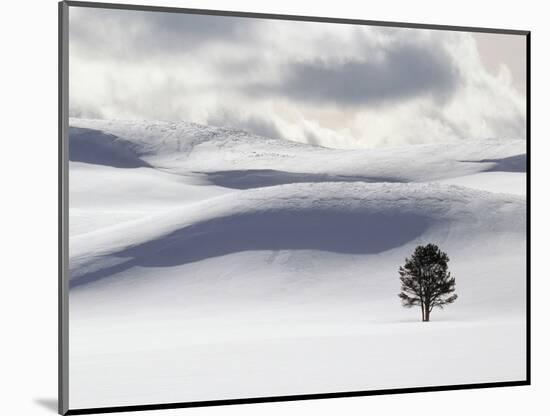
(426, 281)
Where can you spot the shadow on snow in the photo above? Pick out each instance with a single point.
(98, 148)
(317, 229)
(516, 163)
(258, 178)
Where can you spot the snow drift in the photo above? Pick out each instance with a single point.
(201, 254)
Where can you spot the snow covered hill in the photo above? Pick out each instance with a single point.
(208, 260)
(187, 147)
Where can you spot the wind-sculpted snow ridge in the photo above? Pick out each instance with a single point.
(179, 139)
(237, 159)
(353, 218)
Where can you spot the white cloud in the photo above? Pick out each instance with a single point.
(329, 84)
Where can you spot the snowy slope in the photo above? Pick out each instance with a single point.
(218, 264)
(188, 147)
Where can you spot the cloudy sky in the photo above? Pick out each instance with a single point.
(335, 85)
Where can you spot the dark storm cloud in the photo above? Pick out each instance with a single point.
(405, 71)
(141, 34)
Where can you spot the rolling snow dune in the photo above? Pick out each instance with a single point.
(209, 263)
(346, 218)
(187, 147)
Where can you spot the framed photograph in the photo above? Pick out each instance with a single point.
(262, 207)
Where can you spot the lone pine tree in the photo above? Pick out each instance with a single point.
(426, 281)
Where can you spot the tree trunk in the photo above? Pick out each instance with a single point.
(427, 314)
(423, 313)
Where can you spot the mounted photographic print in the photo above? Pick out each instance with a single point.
(263, 207)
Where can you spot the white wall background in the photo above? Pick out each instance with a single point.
(28, 211)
